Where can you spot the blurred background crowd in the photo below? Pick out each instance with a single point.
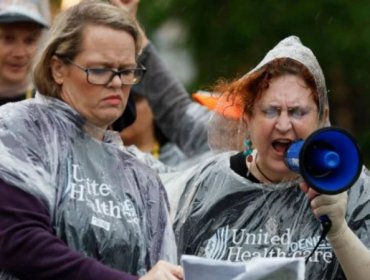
(205, 40)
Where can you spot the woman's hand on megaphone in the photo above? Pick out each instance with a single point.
(310, 193)
(333, 206)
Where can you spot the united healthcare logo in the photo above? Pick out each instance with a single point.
(241, 245)
(217, 245)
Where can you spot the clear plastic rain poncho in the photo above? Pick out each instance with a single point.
(223, 215)
(102, 201)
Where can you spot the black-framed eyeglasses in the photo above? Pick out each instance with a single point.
(103, 76)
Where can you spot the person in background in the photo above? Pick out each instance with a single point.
(145, 134)
(236, 206)
(177, 118)
(73, 203)
(22, 23)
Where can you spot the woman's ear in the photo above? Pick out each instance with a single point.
(58, 70)
(246, 119)
(326, 117)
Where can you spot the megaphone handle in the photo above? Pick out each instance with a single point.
(326, 223)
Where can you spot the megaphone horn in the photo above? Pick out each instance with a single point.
(329, 160)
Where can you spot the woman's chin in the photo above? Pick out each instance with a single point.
(284, 172)
(111, 118)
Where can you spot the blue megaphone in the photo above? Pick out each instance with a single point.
(329, 160)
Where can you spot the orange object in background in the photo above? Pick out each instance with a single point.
(223, 104)
(206, 99)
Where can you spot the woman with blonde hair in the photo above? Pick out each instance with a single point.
(74, 204)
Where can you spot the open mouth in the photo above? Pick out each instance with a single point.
(17, 66)
(281, 145)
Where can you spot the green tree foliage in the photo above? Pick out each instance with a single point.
(227, 38)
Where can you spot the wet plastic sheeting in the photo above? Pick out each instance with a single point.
(103, 202)
(222, 215)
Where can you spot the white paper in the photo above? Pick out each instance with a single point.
(199, 268)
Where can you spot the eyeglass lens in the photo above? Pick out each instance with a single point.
(102, 76)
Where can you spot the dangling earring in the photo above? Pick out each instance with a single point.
(248, 150)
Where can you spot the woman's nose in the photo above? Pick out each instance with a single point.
(116, 81)
(284, 123)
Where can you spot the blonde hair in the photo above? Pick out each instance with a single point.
(67, 33)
